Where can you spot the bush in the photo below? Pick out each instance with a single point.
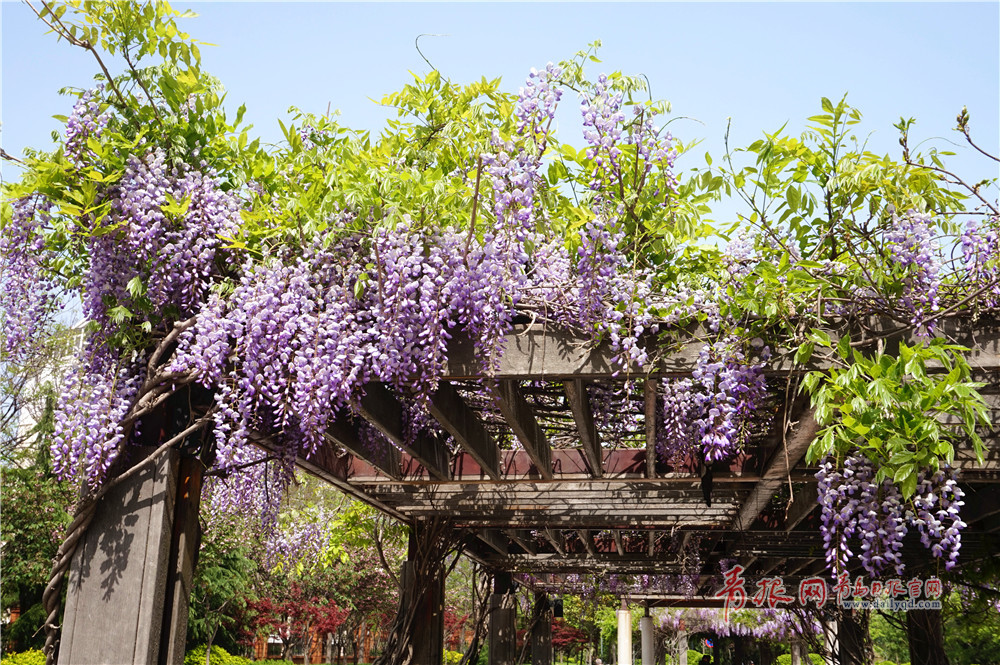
(786, 659)
(220, 656)
(452, 657)
(32, 657)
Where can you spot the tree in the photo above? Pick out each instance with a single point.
(219, 592)
(568, 639)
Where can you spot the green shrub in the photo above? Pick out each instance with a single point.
(32, 657)
(786, 659)
(452, 657)
(220, 656)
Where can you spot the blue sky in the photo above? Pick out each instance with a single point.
(761, 64)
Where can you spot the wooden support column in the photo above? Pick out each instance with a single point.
(117, 585)
(503, 633)
(541, 632)
(185, 543)
(926, 637)
(854, 641)
(427, 628)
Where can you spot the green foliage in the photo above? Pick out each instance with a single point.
(220, 656)
(32, 657)
(894, 411)
(452, 657)
(786, 659)
(219, 590)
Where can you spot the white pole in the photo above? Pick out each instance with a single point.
(682, 648)
(646, 632)
(624, 635)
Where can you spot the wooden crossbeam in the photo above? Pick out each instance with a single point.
(619, 547)
(495, 539)
(540, 352)
(524, 543)
(650, 403)
(380, 408)
(557, 540)
(449, 409)
(784, 459)
(385, 457)
(517, 412)
(579, 403)
(804, 501)
(588, 542)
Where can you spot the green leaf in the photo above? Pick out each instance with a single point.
(804, 353)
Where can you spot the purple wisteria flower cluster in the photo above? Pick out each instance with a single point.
(27, 295)
(912, 246)
(981, 258)
(854, 504)
(709, 414)
(936, 507)
(154, 252)
(85, 122)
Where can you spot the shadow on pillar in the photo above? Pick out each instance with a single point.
(503, 633)
(541, 631)
(130, 579)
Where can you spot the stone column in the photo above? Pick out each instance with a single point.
(624, 635)
(503, 633)
(646, 637)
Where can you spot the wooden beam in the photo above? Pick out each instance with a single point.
(517, 412)
(522, 542)
(449, 409)
(619, 547)
(557, 541)
(588, 542)
(804, 501)
(652, 542)
(380, 408)
(542, 352)
(579, 403)
(385, 457)
(495, 539)
(784, 459)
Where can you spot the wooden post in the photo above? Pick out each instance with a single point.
(503, 635)
(541, 633)
(855, 643)
(118, 581)
(185, 542)
(427, 636)
(926, 637)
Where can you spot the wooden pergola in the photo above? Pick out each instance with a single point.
(544, 490)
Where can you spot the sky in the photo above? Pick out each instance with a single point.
(760, 64)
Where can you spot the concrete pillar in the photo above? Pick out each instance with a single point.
(624, 635)
(541, 633)
(503, 633)
(646, 637)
